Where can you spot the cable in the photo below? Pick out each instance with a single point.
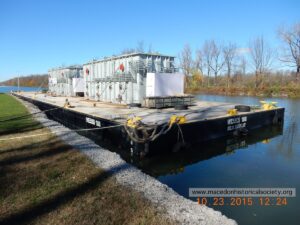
(39, 87)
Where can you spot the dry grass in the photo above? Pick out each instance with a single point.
(44, 181)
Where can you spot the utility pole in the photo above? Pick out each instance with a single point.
(18, 83)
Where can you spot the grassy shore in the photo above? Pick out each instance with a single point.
(276, 91)
(45, 181)
(268, 85)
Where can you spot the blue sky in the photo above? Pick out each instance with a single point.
(37, 35)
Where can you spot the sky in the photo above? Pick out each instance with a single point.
(37, 35)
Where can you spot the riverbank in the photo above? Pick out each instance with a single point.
(45, 181)
(277, 91)
(163, 200)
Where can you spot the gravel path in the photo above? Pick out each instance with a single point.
(177, 207)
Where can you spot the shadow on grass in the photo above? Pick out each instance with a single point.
(16, 128)
(29, 147)
(48, 153)
(30, 213)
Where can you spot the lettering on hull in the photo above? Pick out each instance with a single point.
(93, 121)
(236, 123)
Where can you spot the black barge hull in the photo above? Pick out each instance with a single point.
(179, 136)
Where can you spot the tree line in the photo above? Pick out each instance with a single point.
(217, 64)
(35, 80)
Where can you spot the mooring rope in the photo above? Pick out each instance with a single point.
(59, 132)
(143, 133)
(181, 133)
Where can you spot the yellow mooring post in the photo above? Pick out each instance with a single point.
(232, 112)
(268, 105)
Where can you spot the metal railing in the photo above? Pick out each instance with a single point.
(135, 67)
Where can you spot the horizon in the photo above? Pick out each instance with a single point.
(38, 36)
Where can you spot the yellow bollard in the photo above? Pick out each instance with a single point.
(232, 112)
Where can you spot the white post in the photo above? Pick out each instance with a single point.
(18, 83)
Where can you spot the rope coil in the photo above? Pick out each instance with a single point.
(140, 132)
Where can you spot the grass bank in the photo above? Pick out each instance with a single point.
(267, 85)
(275, 91)
(45, 181)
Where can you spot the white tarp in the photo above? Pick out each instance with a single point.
(164, 84)
(78, 85)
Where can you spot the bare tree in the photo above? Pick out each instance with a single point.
(186, 60)
(128, 51)
(291, 51)
(207, 52)
(239, 67)
(140, 47)
(150, 48)
(261, 57)
(198, 64)
(217, 60)
(229, 53)
(243, 65)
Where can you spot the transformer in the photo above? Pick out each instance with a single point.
(122, 79)
(66, 81)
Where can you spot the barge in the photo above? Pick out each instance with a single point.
(136, 102)
(150, 130)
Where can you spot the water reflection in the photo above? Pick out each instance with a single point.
(286, 145)
(174, 163)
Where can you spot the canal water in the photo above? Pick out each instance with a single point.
(268, 157)
(7, 89)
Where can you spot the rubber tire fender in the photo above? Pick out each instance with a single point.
(242, 108)
(181, 107)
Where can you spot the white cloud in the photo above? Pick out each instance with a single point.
(242, 51)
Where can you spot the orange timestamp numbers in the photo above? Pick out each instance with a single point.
(242, 201)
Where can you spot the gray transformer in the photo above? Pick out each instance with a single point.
(65, 81)
(122, 79)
